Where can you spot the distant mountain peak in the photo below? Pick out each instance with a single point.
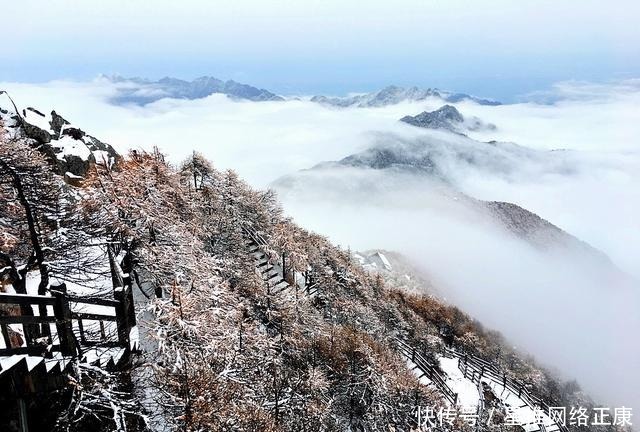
(394, 94)
(142, 91)
(447, 117)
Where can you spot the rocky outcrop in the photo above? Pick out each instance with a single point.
(69, 149)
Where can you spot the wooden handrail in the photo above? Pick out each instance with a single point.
(26, 299)
(93, 301)
(93, 316)
(67, 310)
(519, 388)
(26, 319)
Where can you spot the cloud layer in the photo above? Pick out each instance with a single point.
(543, 302)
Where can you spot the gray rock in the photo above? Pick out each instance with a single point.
(48, 142)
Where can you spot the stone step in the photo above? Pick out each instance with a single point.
(274, 277)
(280, 287)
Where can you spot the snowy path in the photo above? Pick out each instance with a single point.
(521, 412)
(468, 396)
(521, 407)
(422, 378)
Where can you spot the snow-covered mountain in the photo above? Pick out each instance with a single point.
(393, 94)
(142, 91)
(448, 118)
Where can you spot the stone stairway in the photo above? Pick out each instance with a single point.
(271, 274)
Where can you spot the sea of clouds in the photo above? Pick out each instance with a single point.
(566, 313)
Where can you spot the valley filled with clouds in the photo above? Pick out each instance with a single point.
(364, 179)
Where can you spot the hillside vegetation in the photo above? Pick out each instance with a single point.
(224, 352)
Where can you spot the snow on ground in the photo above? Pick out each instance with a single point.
(467, 391)
(522, 413)
(102, 156)
(424, 380)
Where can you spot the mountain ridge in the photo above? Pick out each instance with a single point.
(141, 91)
(392, 94)
(447, 117)
(430, 158)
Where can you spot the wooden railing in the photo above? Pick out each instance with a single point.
(36, 329)
(100, 329)
(310, 287)
(483, 368)
(477, 380)
(254, 235)
(76, 324)
(432, 372)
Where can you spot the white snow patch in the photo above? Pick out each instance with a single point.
(422, 377)
(71, 147)
(37, 120)
(468, 397)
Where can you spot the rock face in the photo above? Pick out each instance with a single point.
(393, 94)
(374, 261)
(448, 118)
(71, 151)
(141, 91)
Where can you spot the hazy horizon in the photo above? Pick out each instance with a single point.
(500, 49)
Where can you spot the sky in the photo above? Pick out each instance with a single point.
(493, 48)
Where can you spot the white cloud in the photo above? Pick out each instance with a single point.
(502, 281)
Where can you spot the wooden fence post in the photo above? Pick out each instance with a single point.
(123, 294)
(116, 277)
(122, 316)
(284, 266)
(64, 326)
